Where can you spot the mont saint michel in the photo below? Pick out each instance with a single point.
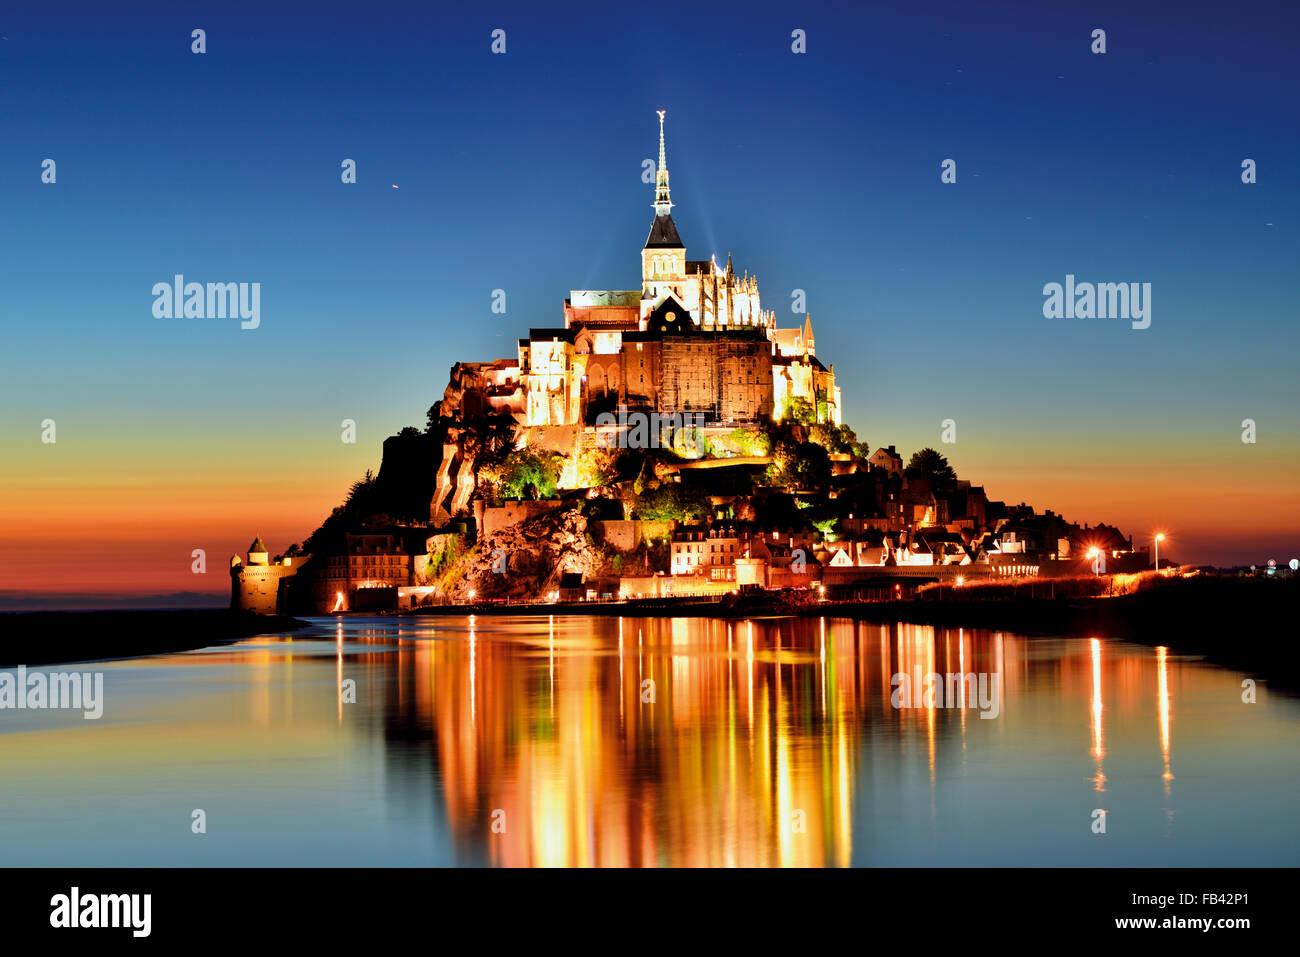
(686, 436)
(674, 440)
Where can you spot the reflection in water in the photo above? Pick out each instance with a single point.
(708, 757)
(338, 666)
(593, 768)
(1098, 737)
(646, 742)
(1162, 699)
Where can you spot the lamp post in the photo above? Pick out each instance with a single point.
(1160, 537)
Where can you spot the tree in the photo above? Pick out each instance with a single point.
(597, 467)
(813, 467)
(799, 411)
(929, 464)
(780, 471)
(805, 465)
(750, 441)
(838, 438)
(524, 474)
(826, 526)
(672, 502)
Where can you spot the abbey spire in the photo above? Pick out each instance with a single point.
(663, 203)
(663, 231)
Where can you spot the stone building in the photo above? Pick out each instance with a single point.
(258, 585)
(374, 566)
(695, 337)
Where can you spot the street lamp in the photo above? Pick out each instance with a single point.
(1160, 537)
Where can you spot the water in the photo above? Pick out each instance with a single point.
(526, 741)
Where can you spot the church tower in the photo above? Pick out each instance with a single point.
(663, 260)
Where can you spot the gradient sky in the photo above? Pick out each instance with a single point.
(523, 172)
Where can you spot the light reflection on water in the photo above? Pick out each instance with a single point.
(612, 742)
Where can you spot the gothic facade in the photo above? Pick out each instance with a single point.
(693, 339)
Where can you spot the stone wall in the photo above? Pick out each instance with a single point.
(624, 535)
(501, 517)
(257, 587)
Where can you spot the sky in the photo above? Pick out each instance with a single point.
(819, 171)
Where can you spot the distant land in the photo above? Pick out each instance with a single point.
(90, 601)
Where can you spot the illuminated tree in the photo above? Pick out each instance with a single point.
(799, 411)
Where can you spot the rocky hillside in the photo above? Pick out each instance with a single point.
(536, 552)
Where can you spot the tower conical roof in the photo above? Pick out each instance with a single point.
(663, 234)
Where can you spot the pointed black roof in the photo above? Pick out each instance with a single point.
(663, 234)
(671, 317)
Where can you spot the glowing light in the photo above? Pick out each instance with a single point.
(1162, 701)
(338, 603)
(1098, 732)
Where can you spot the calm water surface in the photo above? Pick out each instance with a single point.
(766, 743)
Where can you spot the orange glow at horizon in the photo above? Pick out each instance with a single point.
(98, 517)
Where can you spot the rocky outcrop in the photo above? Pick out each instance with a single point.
(455, 469)
(457, 477)
(406, 475)
(476, 393)
(476, 389)
(536, 553)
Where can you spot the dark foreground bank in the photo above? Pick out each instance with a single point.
(51, 637)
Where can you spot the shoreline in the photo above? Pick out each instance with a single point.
(1237, 623)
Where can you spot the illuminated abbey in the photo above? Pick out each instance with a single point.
(542, 478)
(694, 338)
